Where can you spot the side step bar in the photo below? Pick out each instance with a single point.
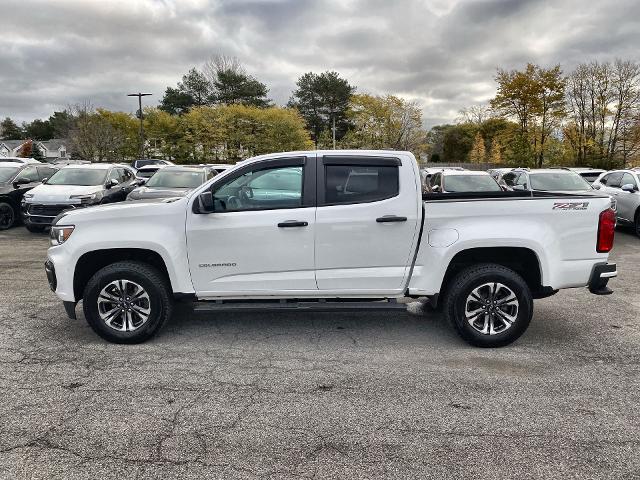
(296, 306)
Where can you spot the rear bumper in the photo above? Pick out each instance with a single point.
(600, 276)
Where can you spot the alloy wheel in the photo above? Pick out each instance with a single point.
(491, 308)
(124, 305)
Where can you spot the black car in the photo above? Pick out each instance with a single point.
(15, 180)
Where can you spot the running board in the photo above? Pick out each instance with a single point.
(292, 306)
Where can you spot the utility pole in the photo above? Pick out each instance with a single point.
(333, 129)
(140, 95)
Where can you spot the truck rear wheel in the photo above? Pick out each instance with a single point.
(127, 302)
(489, 305)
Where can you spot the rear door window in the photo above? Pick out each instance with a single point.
(345, 184)
(627, 179)
(30, 173)
(613, 179)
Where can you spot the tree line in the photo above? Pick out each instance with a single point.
(538, 116)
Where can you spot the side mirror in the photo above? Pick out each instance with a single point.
(435, 188)
(518, 188)
(111, 183)
(141, 181)
(21, 181)
(597, 186)
(44, 180)
(205, 203)
(629, 187)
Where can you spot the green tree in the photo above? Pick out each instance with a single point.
(387, 122)
(10, 130)
(176, 102)
(232, 85)
(535, 98)
(61, 124)
(458, 141)
(39, 130)
(322, 99)
(478, 151)
(193, 90)
(36, 153)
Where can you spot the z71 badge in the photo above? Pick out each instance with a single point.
(571, 205)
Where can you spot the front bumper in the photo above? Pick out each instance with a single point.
(44, 214)
(600, 277)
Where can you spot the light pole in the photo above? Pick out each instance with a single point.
(140, 95)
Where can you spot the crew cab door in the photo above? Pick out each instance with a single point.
(260, 237)
(366, 223)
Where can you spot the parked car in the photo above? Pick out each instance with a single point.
(15, 180)
(624, 186)
(75, 186)
(220, 167)
(18, 160)
(318, 242)
(69, 161)
(588, 173)
(546, 180)
(453, 181)
(136, 164)
(427, 173)
(146, 172)
(497, 174)
(172, 181)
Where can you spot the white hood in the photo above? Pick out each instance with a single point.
(60, 193)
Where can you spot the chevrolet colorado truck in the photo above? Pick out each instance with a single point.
(331, 231)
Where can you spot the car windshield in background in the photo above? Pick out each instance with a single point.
(7, 173)
(470, 183)
(144, 163)
(558, 181)
(590, 177)
(147, 172)
(176, 179)
(78, 176)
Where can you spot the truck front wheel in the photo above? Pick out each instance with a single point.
(489, 305)
(127, 302)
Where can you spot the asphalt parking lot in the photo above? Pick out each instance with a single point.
(388, 395)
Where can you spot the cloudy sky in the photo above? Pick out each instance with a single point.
(442, 53)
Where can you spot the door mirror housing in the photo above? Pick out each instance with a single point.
(111, 183)
(141, 181)
(435, 188)
(629, 187)
(205, 203)
(597, 186)
(518, 188)
(21, 181)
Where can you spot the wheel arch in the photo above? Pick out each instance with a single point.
(89, 263)
(522, 260)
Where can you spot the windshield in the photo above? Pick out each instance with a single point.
(143, 163)
(470, 183)
(147, 172)
(7, 173)
(176, 179)
(558, 181)
(78, 176)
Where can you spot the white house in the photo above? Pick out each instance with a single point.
(51, 150)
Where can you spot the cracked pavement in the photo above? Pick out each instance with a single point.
(318, 395)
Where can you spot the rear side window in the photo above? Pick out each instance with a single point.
(627, 179)
(358, 184)
(613, 179)
(510, 178)
(46, 172)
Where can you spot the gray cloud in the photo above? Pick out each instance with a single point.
(441, 53)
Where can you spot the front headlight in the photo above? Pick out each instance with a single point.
(59, 235)
(87, 199)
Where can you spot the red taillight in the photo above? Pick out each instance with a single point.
(606, 230)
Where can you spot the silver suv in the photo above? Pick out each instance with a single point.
(623, 185)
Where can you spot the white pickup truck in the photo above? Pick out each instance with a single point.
(330, 230)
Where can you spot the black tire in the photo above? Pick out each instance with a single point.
(160, 302)
(34, 228)
(636, 223)
(459, 297)
(8, 216)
